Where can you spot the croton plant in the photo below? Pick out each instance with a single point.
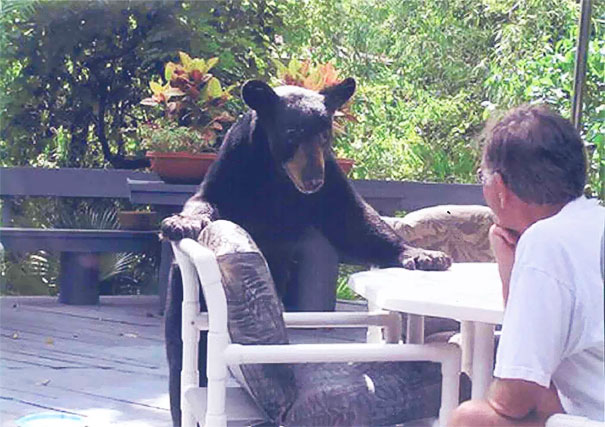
(315, 77)
(194, 107)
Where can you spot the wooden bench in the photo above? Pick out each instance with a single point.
(79, 249)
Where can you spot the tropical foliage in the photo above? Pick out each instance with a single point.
(314, 77)
(194, 107)
(72, 73)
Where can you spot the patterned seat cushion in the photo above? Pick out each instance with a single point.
(255, 314)
(335, 394)
(461, 231)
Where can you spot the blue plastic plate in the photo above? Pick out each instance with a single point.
(51, 419)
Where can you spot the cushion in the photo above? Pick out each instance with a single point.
(461, 231)
(255, 314)
(363, 394)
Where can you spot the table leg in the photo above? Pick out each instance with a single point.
(166, 259)
(483, 359)
(467, 334)
(415, 329)
(79, 278)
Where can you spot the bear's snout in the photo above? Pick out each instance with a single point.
(312, 185)
(306, 168)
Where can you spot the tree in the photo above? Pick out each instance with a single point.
(74, 72)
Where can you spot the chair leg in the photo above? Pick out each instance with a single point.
(450, 383)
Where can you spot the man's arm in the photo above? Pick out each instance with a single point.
(504, 242)
(519, 399)
(509, 403)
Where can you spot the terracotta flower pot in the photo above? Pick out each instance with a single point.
(345, 164)
(190, 168)
(138, 220)
(181, 167)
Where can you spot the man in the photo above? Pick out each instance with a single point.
(548, 242)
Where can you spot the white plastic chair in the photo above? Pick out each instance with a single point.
(209, 406)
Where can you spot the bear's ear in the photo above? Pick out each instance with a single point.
(259, 96)
(337, 95)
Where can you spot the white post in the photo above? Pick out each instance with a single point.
(393, 328)
(483, 359)
(218, 335)
(197, 261)
(467, 337)
(190, 335)
(450, 383)
(415, 329)
(374, 334)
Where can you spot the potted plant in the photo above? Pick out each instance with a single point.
(181, 144)
(317, 77)
(138, 220)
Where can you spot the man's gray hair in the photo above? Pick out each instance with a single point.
(538, 153)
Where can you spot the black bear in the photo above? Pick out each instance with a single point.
(276, 177)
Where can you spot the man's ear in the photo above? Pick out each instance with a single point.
(503, 192)
(259, 96)
(335, 96)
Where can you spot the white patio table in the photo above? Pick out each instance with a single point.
(468, 292)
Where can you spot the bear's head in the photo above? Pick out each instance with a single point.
(298, 125)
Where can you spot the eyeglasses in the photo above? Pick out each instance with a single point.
(480, 176)
(483, 177)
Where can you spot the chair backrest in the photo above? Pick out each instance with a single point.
(254, 313)
(459, 230)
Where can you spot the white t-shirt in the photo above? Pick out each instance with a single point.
(553, 322)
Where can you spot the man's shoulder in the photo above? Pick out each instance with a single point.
(577, 218)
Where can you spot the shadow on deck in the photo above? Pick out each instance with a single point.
(104, 362)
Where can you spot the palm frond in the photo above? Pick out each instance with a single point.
(118, 264)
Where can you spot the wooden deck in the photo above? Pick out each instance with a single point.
(105, 362)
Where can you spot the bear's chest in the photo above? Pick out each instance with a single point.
(270, 208)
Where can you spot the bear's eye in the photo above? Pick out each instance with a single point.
(324, 138)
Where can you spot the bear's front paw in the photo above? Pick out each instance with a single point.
(179, 227)
(424, 259)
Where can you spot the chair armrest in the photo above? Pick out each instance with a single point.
(337, 319)
(355, 352)
(322, 319)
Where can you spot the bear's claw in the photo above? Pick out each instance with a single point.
(424, 259)
(179, 227)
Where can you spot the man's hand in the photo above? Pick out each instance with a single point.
(504, 242)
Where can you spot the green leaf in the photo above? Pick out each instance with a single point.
(282, 70)
(294, 66)
(211, 63)
(213, 88)
(156, 88)
(185, 60)
(199, 64)
(168, 70)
